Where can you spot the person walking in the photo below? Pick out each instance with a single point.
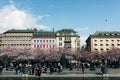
(16, 69)
(1, 69)
(59, 68)
(83, 68)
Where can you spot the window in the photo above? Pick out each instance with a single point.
(43, 45)
(53, 41)
(47, 41)
(37, 46)
(101, 44)
(111, 34)
(35, 41)
(107, 49)
(113, 44)
(67, 45)
(78, 44)
(60, 38)
(96, 49)
(50, 46)
(46, 46)
(106, 40)
(118, 44)
(40, 40)
(34, 46)
(43, 40)
(50, 41)
(40, 46)
(118, 34)
(95, 44)
(101, 49)
(107, 44)
(67, 39)
(95, 40)
(112, 40)
(53, 46)
(101, 40)
(106, 34)
(60, 43)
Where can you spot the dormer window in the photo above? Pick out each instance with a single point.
(106, 34)
(118, 34)
(111, 34)
(58, 34)
(72, 33)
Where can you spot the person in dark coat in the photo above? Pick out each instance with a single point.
(83, 68)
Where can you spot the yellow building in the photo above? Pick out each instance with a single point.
(103, 41)
(16, 38)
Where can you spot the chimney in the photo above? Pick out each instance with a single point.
(53, 30)
(35, 30)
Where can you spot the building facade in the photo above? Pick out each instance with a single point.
(65, 38)
(16, 39)
(68, 38)
(103, 41)
(44, 40)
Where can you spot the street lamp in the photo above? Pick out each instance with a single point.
(75, 44)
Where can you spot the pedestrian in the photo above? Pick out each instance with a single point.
(39, 71)
(33, 68)
(59, 68)
(16, 69)
(51, 69)
(83, 68)
(1, 69)
(80, 66)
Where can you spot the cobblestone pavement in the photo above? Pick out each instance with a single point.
(68, 73)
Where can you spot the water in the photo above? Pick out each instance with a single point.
(59, 78)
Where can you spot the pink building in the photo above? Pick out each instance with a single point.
(43, 40)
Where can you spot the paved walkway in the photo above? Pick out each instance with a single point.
(68, 73)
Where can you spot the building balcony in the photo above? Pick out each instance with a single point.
(67, 46)
(67, 41)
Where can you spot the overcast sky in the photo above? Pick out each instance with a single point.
(84, 16)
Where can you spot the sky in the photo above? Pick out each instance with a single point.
(84, 16)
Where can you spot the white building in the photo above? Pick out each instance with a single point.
(68, 38)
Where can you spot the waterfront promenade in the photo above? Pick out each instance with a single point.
(68, 73)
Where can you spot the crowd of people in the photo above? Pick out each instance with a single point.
(33, 69)
(39, 68)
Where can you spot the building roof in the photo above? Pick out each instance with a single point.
(67, 32)
(106, 34)
(19, 31)
(47, 34)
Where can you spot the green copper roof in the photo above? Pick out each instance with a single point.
(44, 34)
(67, 32)
(106, 34)
(19, 31)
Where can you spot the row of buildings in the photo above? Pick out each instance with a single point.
(64, 38)
(39, 39)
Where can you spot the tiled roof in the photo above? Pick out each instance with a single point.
(44, 34)
(19, 31)
(67, 32)
(106, 34)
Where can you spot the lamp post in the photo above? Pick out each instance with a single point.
(75, 44)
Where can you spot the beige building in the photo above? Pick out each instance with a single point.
(68, 38)
(103, 41)
(16, 38)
